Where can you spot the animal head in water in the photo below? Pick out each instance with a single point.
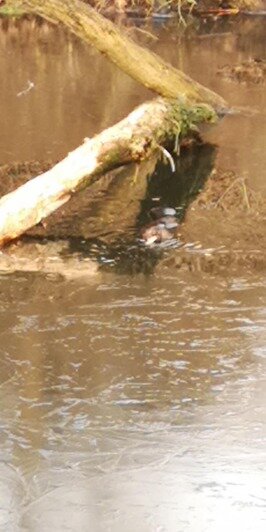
(159, 231)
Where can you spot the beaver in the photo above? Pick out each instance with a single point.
(162, 228)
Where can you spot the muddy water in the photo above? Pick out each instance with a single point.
(128, 402)
(133, 404)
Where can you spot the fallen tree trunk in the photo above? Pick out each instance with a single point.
(136, 61)
(133, 139)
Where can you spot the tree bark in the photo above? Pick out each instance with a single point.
(133, 139)
(136, 61)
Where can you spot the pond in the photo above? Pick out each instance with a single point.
(130, 400)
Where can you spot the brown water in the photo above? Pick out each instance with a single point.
(129, 402)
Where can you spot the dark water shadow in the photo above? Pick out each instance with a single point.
(177, 189)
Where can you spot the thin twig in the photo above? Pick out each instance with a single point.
(245, 193)
(169, 158)
(227, 190)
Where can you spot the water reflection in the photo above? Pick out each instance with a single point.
(133, 402)
(64, 106)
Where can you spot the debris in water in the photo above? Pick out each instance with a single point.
(28, 88)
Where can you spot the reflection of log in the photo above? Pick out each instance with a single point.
(133, 139)
(138, 62)
(119, 211)
(107, 208)
(52, 258)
